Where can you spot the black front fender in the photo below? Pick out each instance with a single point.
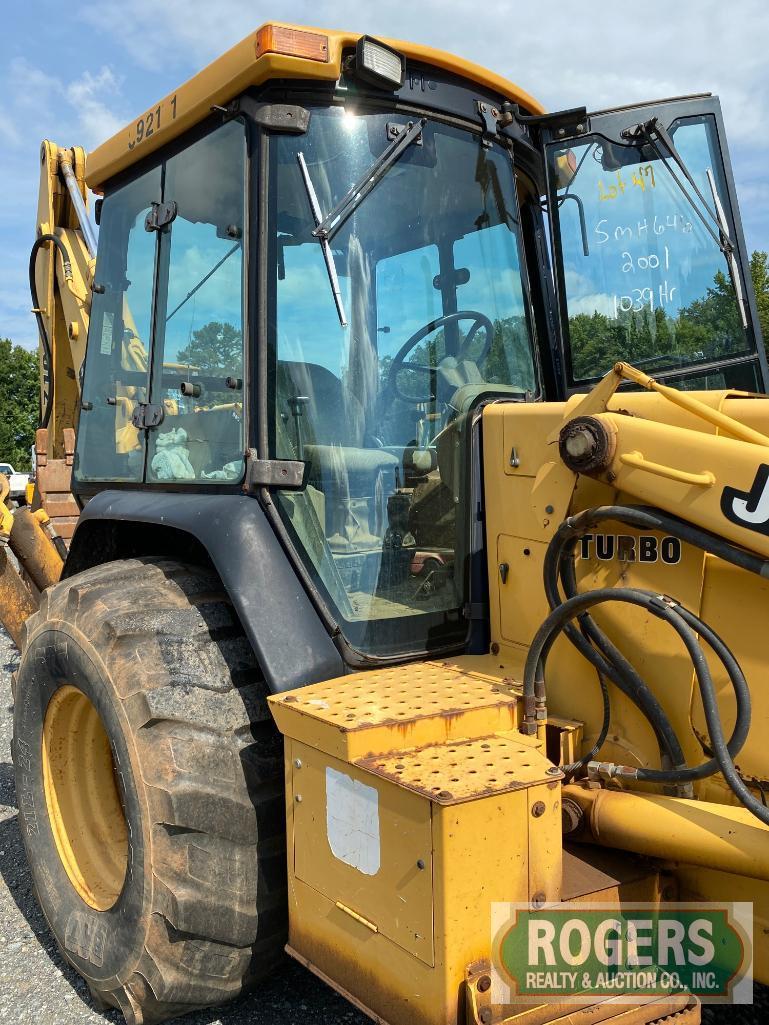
(288, 637)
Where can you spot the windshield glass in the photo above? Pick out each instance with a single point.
(643, 278)
(430, 284)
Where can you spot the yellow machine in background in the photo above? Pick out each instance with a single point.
(502, 594)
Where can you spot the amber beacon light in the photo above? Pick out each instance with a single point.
(291, 42)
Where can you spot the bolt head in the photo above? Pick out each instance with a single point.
(538, 809)
(484, 984)
(297, 763)
(298, 798)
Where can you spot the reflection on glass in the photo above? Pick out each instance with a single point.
(430, 278)
(198, 372)
(653, 287)
(116, 376)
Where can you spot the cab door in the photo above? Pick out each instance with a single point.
(649, 254)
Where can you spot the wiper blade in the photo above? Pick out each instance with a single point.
(730, 257)
(328, 256)
(652, 128)
(333, 221)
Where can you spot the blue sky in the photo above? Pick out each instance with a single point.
(77, 73)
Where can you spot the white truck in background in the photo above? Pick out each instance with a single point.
(17, 482)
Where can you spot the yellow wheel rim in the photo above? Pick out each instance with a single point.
(84, 805)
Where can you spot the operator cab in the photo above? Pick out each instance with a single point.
(433, 298)
(326, 278)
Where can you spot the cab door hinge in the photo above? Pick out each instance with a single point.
(489, 115)
(160, 216)
(147, 415)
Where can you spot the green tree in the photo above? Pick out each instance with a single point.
(215, 346)
(759, 271)
(708, 328)
(19, 403)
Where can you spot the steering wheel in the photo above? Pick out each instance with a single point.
(480, 320)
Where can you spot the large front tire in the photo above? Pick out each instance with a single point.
(149, 778)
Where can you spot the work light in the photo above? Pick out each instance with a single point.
(379, 64)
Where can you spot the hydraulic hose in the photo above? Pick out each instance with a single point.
(685, 624)
(604, 656)
(45, 413)
(571, 770)
(599, 650)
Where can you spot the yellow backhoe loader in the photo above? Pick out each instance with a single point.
(394, 584)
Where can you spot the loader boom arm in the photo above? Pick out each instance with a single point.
(715, 473)
(61, 268)
(61, 276)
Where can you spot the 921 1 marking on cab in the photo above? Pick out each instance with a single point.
(150, 122)
(644, 548)
(749, 509)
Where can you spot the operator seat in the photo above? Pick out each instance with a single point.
(329, 424)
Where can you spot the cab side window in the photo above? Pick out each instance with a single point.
(198, 354)
(167, 323)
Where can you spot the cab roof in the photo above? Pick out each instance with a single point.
(250, 63)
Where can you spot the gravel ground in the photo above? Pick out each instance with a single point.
(38, 988)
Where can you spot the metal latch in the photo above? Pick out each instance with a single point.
(286, 474)
(489, 116)
(147, 415)
(160, 216)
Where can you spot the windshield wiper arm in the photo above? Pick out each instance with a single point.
(718, 216)
(328, 256)
(645, 130)
(730, 258)
(333, 221)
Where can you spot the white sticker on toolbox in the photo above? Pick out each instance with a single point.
(352, 821)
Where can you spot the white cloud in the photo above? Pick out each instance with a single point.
(30, 87)
(80, 110)
(89, 96)
(561, 52)
(9, 133)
